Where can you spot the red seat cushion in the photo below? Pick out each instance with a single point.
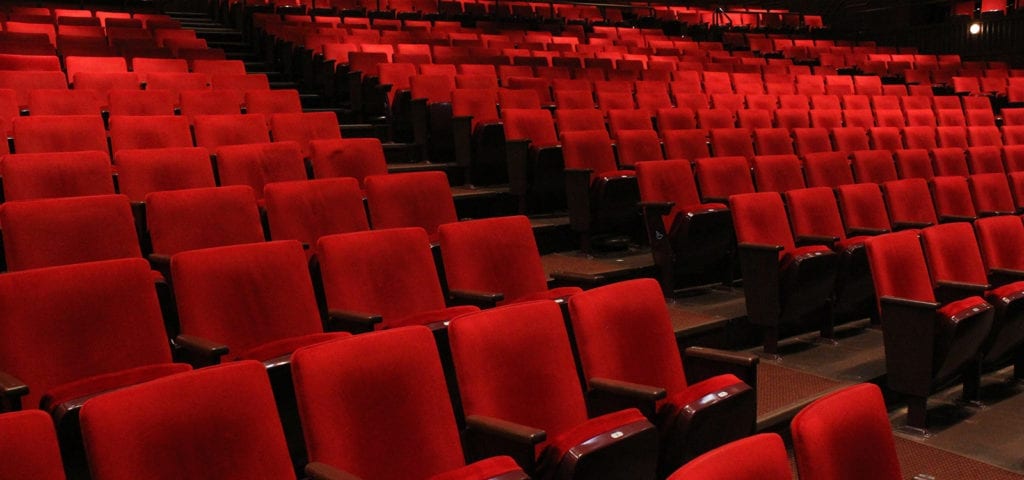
(284, 346)
(433, 316)
(962, 308)
(550, 294)
(106, 382)
(560, 444)
(484, 469)
(1010, 291)
(701, 389)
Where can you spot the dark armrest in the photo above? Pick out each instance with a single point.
(353, 322)
(517, 156)
(607, 396)
(11, 389)
(908, 303)
(322, 471)
(573, 278)
(826, 240)
(577, 195)
(480, 299)
(910, 225)
(702, 363)
(710, 199)
(759, 247)
(956, 218)
(657, 208)
(198, 351)
(489, 437)
(949, 291)
(1002, 276)
(161, 263)
(855, 231)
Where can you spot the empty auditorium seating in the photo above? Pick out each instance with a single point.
(59, 133)
(536, 356)
(49, 175)
(414, 199)
(951, 333)
(761, 457)
(179, 220)
(624, 334)
(845, 434)
(30, 447)
(304, 128)
(495, 260)
(351, 157)
(257, 164)
(787, 286)
(152, 170)
(122, 428)
(953, 202)
(151, 131)
(306, 210)
(403, 409)
(212, 131)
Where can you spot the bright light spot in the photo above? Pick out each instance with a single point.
(975, 28)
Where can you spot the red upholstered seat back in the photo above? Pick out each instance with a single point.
(492, 255)
(60, 133)
(103, 315)
(415, 199)
(846, 434)
(257, 164)
(30, 176)
(148, 132)
(376, 405)
(535, 125)
(914, 163)
(635, 146)
(578, 119)
(142, 171)
(827, 169)
(761, 218)
(952, 196)
(384, 272)
(668, 181)
(272, 101)
(1000, 240)
(350, 157)
(213, 131)
(30, 446)
(218, 422)
(515, 363)
(909, 201)
(952, 253)
(623, 332)
(720, 177)
(180, 220)
(304, 128)
(898, 267)
(862, 206)
(778, 173)
(589, 149)
(759, 457)
(51, 232)
(813, 211)
(306, 210)
(991, 193)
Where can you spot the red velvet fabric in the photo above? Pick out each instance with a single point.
(515, 363)
(686, 144)
(388, 272)
(482, 470)
(434, 88)
(678, 118)
(62, 231)
(812, 140)
(850, 139)
(721, 177)
(376, 405)
(898, 266)
(921, 136)
(164, 131)
(29, 446)
(355, 157)
(761, 218)
(52, 315)
(827, 119)
(712, 118)
(910, 201)
(212, 131)
(778, 173)
(623, 332)
(578, 119)
(534, 125)
(493, 255)
(629, 119)
(791, 118)
(140, 172)
(304, 128)
(980, 136)
(862, 206)
(952, 253)
(952, 196)
(60, 133)
(258, 164)
(49, 175)
(559, 445)
(589, 149)
(846, 435)
(635, 146)
(144, 102)
(415, 199)
(991, 193)
(284, 346)
(211, 102)
(758, 457)
(245, 296)
(182, 220)
(1000, 241)
(773, 141)
(93, 385)
(480, 104)
(668, 181)
(951, 136)
(732, 142)
(65, 102)
(950, 161)
(306, 210)
(699, 390)
(190, 425)
(914, 163)
(887, 137)
(986, 160)
(269, 102)
(963, 307)
(873, 166)
(827, 169)
(813, 211)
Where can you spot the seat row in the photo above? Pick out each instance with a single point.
(78, 133)
(548, 437)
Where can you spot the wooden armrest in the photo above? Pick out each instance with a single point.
(657, 208)
(702, 363)
(856, 231)
(480, 299)
(910, 225)
(505, 429)
(354, 322)
(759, 246)
(607, 396)
(11, 391)
(827, 240)
(322, 471)
(200, 351)
(906, 302)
